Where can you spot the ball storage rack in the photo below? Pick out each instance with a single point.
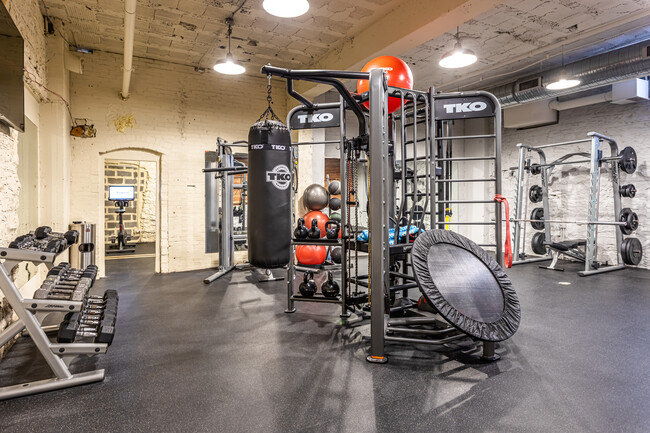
(31, 312)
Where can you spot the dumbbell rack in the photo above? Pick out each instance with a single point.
(30, 312)
(595, 158)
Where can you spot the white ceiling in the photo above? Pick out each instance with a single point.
(194, 32)
(513, 38)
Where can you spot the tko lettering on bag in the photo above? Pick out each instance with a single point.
(279, 177)
(466, 107)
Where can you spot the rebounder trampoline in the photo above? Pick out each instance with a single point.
(465, 285)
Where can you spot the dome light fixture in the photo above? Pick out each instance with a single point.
(459, 57)
(228, 65)
(286, 8)
(563, 81)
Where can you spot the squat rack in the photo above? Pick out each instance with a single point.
(592, 266)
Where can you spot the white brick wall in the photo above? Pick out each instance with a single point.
(629, 125)
(178, 114)
(27, 17)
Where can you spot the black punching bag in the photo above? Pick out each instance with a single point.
(269, 195)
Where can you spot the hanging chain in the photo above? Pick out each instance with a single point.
(349, 222)
(355, 180)
(269, 110)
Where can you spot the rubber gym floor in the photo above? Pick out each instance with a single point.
(226, 358)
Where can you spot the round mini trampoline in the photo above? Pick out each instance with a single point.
(465, 285)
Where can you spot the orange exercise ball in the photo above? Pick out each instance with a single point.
(320, 216)
(398, 74)
(311, 254)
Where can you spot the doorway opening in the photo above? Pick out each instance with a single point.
(130, 223)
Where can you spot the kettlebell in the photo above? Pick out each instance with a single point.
(330, 288)
(332, 233)
(308, 286)
(314, 231)
(301, 231)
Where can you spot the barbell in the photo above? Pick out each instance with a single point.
(628, 221)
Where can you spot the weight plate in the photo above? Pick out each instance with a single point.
(537, 214)
(628, 190)
(537, 243)
(631, 251)
(627, 163)
(630, 219)
(535, 193)
(535, 169)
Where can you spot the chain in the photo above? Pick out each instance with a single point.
(349, 222)
(269, 111)
(355, 180)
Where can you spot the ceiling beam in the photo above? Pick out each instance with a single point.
(412, 23)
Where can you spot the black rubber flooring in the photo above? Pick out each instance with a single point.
(226, 358)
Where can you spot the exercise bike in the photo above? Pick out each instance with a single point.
(121, 195)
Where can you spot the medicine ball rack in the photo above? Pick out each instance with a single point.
(625, 160)
(31, 312)
(390, 269)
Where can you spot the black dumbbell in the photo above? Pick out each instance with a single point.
(42, 232)
(71, 236)
(68, 328)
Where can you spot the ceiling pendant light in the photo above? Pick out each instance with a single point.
(286, 8)
(459, 57)
(229, 66)
(563, 81)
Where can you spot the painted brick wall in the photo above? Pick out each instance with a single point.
(178, 114)
(139, 216)
(26, 15)
(569, 187)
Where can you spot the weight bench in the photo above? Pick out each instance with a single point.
(569, 247)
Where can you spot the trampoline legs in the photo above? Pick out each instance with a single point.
(488, 352)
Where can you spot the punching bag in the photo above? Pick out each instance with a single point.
(269, 194)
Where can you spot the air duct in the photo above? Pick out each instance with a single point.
(129, 33)
(618, 65)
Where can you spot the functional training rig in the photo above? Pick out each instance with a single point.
(628, 251)
(418, 135)
(64, 291)
(221, 234)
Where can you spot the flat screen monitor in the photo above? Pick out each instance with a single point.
(12, 104)
(121, 193)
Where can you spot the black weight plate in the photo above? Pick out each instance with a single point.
(535, 193)
(631, 251)
(627, 216)
(628, 161)
(537, 214)
(535, 169)
(465, 285)
(537, 243)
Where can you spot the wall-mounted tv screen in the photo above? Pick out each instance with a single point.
(121, 193)
(12, 104)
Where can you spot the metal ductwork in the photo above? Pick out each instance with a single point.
(618, 65)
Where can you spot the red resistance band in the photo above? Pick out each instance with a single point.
(508, 246)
